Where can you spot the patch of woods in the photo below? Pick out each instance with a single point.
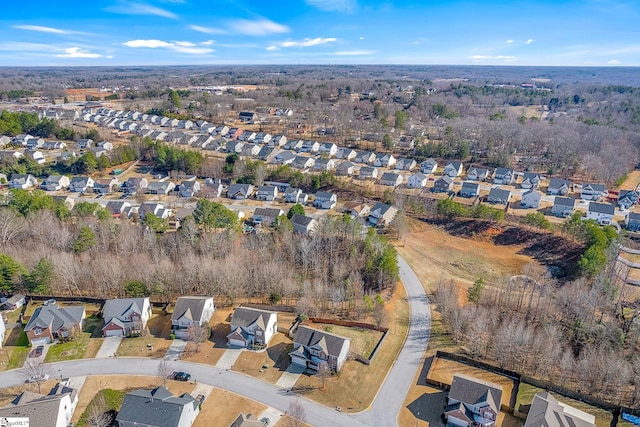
(87, 253)
(581, 333)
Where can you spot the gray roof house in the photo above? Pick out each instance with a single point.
(627, 198)
(189, 188)
(592, 191)
(503, 176)
(417, 180)
(531, 180)
(266, 216)
(531, 199)
(267, 193)
(191, 311)
(499, 196)
(303, 162)
(477, 174)
(267, 153)
(472, 401)
(157, 408)
(324, 164)
(390, 179)
(405, 164)
(51, 322)
(53, 410)
(294, 195)
(313, 347)
(325, 200)
(384, 160)
(303, 224)
(453, 169)
(470, 189)
(429, 166)
(443, 184)
(123, 317)
(346, 154)
(160, 187)
(240, 191)
(367, 172)
(251, 326)
(632, 221)
(81, 184)
(284, 158)
(559, 187)
(55, 183)
(345, 168)
(382, 213)
(601, 212)
(546, 411)
(23, 181)
(366, 157)
(563, 206)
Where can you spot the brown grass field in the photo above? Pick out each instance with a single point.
(222, 407)
(276, 358)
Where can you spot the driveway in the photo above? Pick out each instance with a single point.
(228, 358)
(40, 358)
(383, 411)
(290, 377)
(175, 349)
(109, 347)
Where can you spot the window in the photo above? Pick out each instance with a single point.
(37, 331)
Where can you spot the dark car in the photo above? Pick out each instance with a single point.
(181, 376)
(37, 352)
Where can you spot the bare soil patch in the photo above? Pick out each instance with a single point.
(632, 181)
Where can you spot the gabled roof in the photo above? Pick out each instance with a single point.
(302, 220)
(268, 212)
(546, 411)
(633, 216)
(379, 209)
(470, 186)
(564, 201)
(313, 338)
(593, 187)
(244, 317)
(603, 208)
(116, 308)
(157, 407)
(42, 411)
(55, 317)
(189, 307)
(445, 178)
(555, 183)
(470, 390)
(498, 194)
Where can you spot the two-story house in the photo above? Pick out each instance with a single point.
(382, 214)
(157, 408)
(503, 176)
(50, 322)
(191, 311)
(592, 191)
(429, 166)
(240, 191)
(390, 179)
(267, 193)
(477, 174)
(531, 180)
(313, 348)
(294, 195)
(325, 200)
(417, 180)
(558, 187)
(252, 326)
(472, 402)
(266, 216)
(53, 410)
(123, 317)
(453, 169)
(81, 184)
(601, 212)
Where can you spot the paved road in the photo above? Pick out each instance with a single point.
(383, 411)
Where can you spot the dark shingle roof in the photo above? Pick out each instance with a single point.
(470, 390)
(56, 317)
(604, 208)
(548, 412)
(564, 201)
(157, 407)
(194, 305)
(309, 337)
(117, 307)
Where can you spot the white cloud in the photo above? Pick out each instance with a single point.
(503, 58)
(529, 41)
(260, 27)
(208, 42)
(308, 42)
(346, 6)
(361, 38)
(132, 8)
(480, 57)
(181, 47)
(354, 52)
(509, 41)
(109, 56)
(207, 30)
(24, 46)
(76, 52)
(42, 29)
(273, 48)
(614, 62)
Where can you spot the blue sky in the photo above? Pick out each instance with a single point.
(175, 32)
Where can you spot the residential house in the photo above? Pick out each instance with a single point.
(453, 169)
(81, 184)
(470, 189)
(221, 130)
(499, 196)
(267, 193)
(37, 156)
(284, 158)
(23, 181)
(247, 116)
(294, 195)
(325, 200)
(367, 172)
(346, 154)
(531, 199)
(156, 209)
(382, 214)
(14, 302)
(632, 221)
(303, 224)
(365, 157)
(124, 317)
(477, 174)
(429, 166)
(118, 208)
(329, 148)
(356, 209)
(266, 216)
(234, 133)
(190, 311)
(50, 322)
(247, 420)
(84, 143)
(55, 183)
(105, 185)
(592, 191)
(294, 144)
(185, 124)
(601, 212)
(345, 168)
(384, 160)
(627, 198)
(54, 145)
(262, 138)
(558, 187)
(310, 146)
(267, 153)
(34, 143)
(234, 146)
(531, 180)
(212, 188)
(405, 164)
(252, 326)
(157, 408)
(472, 402)
(503, 176)
(11, 154)
(97, 151)
(322, 164)
(313, 348)
(390, 179)
(563, 206)
(240, 191)
(545, 410)
(302, 162)
(407, 141)
(189, 188)
(443, 184)
(53, 410)
(64, 200)
(278, 141)
(417, 180)
(160, 187)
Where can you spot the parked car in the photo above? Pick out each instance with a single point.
(37, 352)
(50, 302)
(181, 376)
(38, 378)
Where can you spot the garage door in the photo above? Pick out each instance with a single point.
(40, 341)
(113, 333)
(236, 343)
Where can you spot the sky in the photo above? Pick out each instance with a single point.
(186, 32)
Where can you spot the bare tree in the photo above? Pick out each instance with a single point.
(260, 173)
(11, 225)
(98, 415)
(36, 371)
(297, 414)
(164, 371)
(324, 372)
(380, 315)
(198, 334)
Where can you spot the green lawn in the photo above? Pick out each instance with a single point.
(77, 348)
(112, 399)
(17, 349)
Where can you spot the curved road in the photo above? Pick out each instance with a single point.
(383, 411)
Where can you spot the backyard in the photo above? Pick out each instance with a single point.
(363, 341)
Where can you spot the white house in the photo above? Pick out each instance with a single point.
(127, 316)
(22, 181)
(54, 410)
(453, 169)
(601, 212)
(191, 311)
(429, 166)
(531, 199)
(417, 180)
(252, 326)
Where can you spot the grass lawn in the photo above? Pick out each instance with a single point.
(221, 407)
(82, 346)
(113, 400)
(212, 350)
(357, 384)
(159, 327)
(276, 357)
(16, 349)
(363, 341)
